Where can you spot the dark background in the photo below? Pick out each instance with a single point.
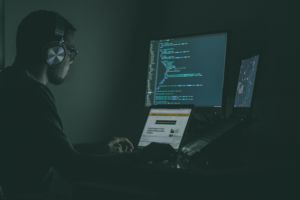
(105, 92)
(1, 34)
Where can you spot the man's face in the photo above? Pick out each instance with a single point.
(57, 74)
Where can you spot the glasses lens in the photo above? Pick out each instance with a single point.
(72, 52)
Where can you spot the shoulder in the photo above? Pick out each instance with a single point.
(43, 104)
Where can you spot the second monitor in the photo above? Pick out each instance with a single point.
(187, 70)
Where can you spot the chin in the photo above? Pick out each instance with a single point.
(54, 79)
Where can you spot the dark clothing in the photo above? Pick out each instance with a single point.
(32, 139)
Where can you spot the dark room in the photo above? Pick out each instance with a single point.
(149, 99)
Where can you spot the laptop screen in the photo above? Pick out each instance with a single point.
(244, 91)
(165, 126)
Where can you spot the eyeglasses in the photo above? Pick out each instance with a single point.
(72, 52)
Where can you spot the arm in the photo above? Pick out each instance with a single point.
(73, 164)
(60, 153)
(63, 156)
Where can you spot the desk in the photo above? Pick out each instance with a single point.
(150, 182)
(139, 183)
(243, 183)
(269, 180)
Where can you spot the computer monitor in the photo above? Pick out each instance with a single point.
(187, 71)
(245, 86)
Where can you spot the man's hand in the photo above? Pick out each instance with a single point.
(120, 145)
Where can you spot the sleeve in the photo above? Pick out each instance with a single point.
(65, 158)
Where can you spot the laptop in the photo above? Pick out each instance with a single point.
(245, 87)
(165, 125)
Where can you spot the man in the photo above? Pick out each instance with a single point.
(32, 139)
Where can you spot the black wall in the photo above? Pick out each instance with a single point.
(1, 34)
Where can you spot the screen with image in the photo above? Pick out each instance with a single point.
(165, 126)
(187, 70)
(244, 91)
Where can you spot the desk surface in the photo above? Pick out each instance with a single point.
(146, 183)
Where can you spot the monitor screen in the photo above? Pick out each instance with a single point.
(244, 91)
(187, 70)
(165, 126)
